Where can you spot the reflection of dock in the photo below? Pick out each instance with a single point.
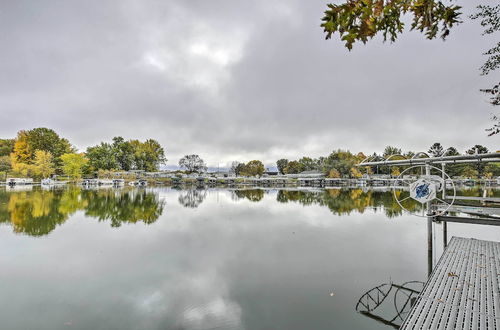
(463, 289)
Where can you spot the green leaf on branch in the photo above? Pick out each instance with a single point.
(361, 20)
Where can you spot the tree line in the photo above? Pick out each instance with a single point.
(342, 163)
(41, 152)
(194, 164)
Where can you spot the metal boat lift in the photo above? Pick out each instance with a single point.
(463, 289)
(427, 163)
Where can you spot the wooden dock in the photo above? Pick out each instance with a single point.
(463, 290)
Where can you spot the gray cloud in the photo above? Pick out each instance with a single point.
(234, 80)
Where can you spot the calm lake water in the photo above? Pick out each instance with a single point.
(161, 258)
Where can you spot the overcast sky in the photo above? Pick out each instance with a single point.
(235, 80)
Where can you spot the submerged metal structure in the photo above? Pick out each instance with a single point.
(401, 297)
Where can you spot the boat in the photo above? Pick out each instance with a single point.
(52, 182)
(105, 182)
(118, 182)
(138, 183)
(18, 181)
(89, 182)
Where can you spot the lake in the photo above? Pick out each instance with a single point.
(164, 258)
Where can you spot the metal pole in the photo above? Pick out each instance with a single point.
(445, 234)
(428, 204)
(429, 229)
(430, 264)
(494, 157)
(444, 180)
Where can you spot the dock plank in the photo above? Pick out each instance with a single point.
(463, 289)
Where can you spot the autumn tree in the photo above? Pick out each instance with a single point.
(73, 165)
(21, 152)
(355, 172)
(493, 168)
(333, 173)
(395, 171)
(254, 168)
(148, 155)
(340, 160)
(43, 165)
(28, 142)
(22, 169)
(470, 172)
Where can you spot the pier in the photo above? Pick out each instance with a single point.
(463, 289)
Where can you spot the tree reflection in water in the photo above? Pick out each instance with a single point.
(123, 206)
(192, 198)
(345, 201)
(253, 195)
(35, 213)
(38, 212)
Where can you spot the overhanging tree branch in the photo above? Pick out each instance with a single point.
(360, 20)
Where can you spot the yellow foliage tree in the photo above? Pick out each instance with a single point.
(395, 171)
(43, 165)
(254, 168)
(355, 173)
(72, 165)
(21, 169)
(334, 173)
(22, 152)
(470, 172)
